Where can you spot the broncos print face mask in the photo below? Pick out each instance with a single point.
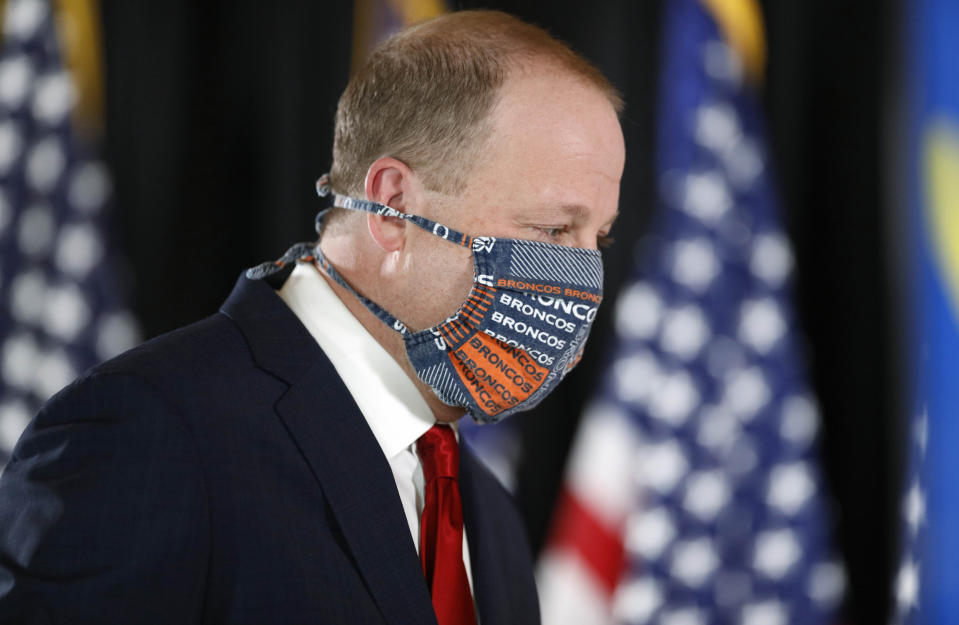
(521, 329)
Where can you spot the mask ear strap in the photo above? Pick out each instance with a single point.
(344, 201)
(388, 318)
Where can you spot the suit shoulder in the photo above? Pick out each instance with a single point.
(104, 397)
(166, 369)
(198, 346)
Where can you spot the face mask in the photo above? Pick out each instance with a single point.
(521, 329)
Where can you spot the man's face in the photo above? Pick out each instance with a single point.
(551, 173)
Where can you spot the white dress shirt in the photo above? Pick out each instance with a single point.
(392, 405)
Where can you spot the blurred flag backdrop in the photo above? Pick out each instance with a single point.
(61, 307)
(927, 585)
(693, 493)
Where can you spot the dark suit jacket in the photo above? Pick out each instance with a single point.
(222, 473)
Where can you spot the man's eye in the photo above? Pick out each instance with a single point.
(553, 232)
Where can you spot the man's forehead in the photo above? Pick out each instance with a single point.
(534, 105)
(555, 154)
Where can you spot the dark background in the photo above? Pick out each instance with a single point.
(219, 119)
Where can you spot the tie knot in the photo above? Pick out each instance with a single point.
(438, 452)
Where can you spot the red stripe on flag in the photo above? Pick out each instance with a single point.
(577, 529)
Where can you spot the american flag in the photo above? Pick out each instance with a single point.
(693, 494)
(906, 586)
(60, 307)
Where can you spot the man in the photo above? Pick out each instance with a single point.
(286, 460)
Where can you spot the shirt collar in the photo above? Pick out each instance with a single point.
(393, 407)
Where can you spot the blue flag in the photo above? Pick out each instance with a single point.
(60, 309)
(927, 585)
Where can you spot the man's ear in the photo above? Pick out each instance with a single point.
(390, 182)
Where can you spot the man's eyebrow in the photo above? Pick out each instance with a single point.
(581, 212)
(569, 209)
(574, 210)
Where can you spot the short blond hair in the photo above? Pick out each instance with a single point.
(425, 95)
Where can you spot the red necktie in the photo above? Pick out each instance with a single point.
(441, 528)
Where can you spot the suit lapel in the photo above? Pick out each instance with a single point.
(339, 447)
(356, 479)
